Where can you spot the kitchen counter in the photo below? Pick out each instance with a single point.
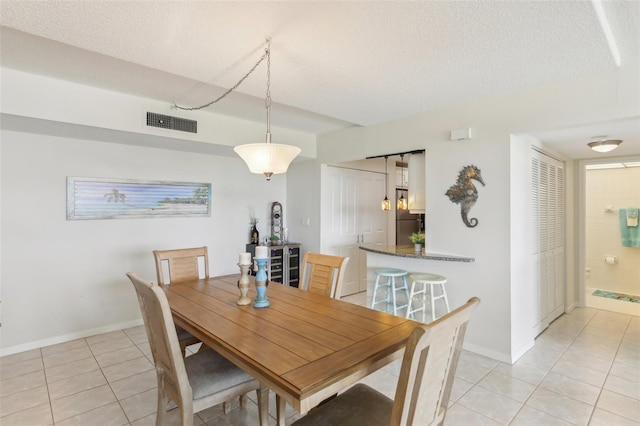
(409, 252)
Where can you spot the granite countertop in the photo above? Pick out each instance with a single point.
(409, 252)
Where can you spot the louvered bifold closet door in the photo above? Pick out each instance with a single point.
(548, 216)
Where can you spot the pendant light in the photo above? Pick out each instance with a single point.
(262, 158)
(267, 158)
(386, 204)
(402, 202)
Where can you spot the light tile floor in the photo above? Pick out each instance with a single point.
(584, 369)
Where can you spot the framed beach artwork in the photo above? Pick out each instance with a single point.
(93, 198)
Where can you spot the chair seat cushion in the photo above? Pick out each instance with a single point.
(209, 372)
(359, 405)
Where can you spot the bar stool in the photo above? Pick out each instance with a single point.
(391, 287)
(420, 294)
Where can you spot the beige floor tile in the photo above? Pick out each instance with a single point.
(471, 373)
(135, 384)
(140, 405)
(111, 345)
(81, 402)
(460, 387)
(39, 415)
(575, 389)
(580, 373)
(605, 418)
(23, 382)
(19, 401)
(60, 358)
(139, 329)
(21, 356)
(117, 356)
(619, 404)
(63, 347)
(527, 373)
(458, 415)
(71, 369)
(542, 356)
(528, 416)
(629, 354)
(78, 383)
(560, 406)
(21, 367)
(508, 386)
(621, 369)
(477, 359)
(172, 419)
(108, 415)
(247, 416)
(140, 339)
(127, 368)
(623, 386)
(615, 333)
(583, 359)
(490, 404)
(111, 336)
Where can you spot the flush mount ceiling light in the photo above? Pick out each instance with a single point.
(604, 145)
(262, 158)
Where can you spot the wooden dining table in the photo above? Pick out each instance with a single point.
(304, 346)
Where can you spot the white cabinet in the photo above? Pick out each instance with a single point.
(351, 215)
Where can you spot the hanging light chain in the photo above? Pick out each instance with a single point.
(267, 102)
(262, 58)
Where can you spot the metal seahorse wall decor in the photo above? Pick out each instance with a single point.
(464, 192)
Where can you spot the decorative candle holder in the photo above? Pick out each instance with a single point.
(243, 285)
(261, 285)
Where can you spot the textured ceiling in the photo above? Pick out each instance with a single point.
(334, 64)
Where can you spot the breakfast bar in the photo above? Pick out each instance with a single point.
(405, 257)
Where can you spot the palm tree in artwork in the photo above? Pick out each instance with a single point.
(116, 196)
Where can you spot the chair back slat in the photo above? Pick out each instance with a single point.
(323, 273)
(163, 339)
(183, 264)
(428, 369)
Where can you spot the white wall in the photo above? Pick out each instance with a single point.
(65, 279)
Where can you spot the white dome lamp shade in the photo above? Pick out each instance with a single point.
(604, 145)
(267, 158)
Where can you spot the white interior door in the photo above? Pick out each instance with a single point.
(350, 216)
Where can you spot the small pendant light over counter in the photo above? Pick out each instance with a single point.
(386, 204)
(402, 202)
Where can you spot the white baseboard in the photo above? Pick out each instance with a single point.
(481, 350)
(68, 337)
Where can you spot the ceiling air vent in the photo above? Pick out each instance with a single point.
(173, 123)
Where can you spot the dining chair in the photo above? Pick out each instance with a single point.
(194, 383)
(323, 274)
(182, 265)
(424, 385)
